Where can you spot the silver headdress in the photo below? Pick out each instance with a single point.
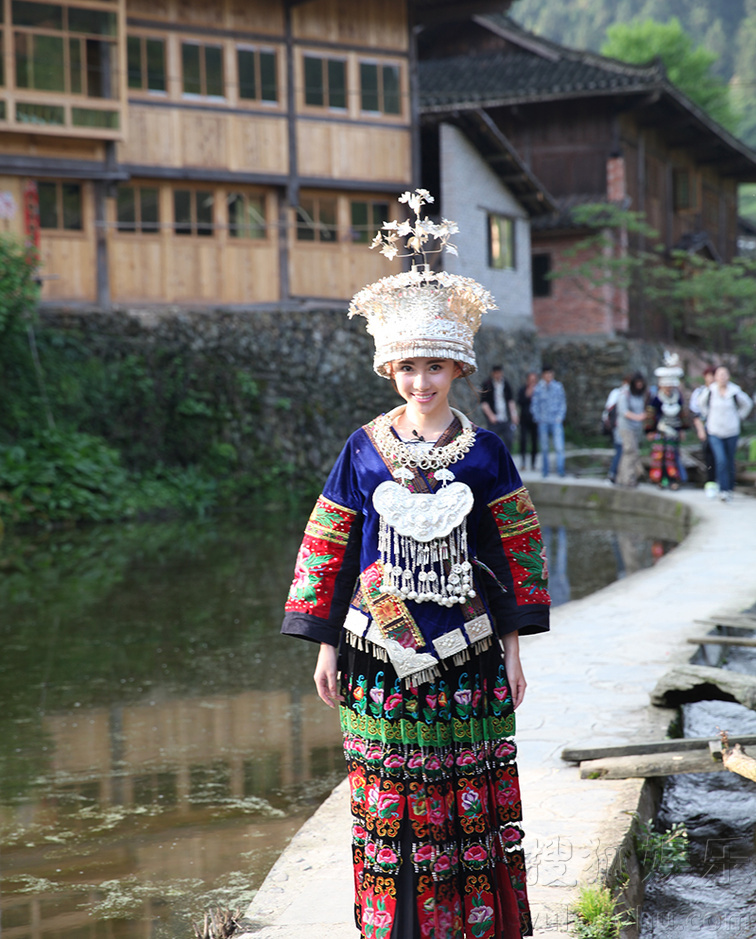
(421, 312)
(671, 372)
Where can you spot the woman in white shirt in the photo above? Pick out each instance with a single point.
(723, 406)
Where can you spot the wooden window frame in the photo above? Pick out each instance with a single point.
(322, 231)
(497, 258)
(144, 88)
(381, 66)
(377, 211)
(61, 228)
(203, 47)
(68, 36)
(257, 51)
(245, 235)
(139, 227)
(196, 228)
(684, 197)
(326, 84)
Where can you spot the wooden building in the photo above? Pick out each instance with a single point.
(207, 151)
(591, 129)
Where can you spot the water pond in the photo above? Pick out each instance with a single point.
(160, 743)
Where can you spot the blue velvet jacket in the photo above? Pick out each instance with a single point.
(339, 570)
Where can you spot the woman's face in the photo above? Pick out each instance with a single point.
(721, 376)
(424, 383)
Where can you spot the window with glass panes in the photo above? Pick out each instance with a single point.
(379, 88)
(65, 49)
(683, 190)
(367, 219)
(316, 220)
(325, 82)
(246, 215)
(257, 74)
(137, 209)
(146, 63)
(202, 69)
(60, 206)
(193, 212)
(501, 241)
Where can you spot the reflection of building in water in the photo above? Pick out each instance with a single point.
(555, 540)
(193, 750)
(178, 781)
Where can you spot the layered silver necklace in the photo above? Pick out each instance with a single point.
(422, 536)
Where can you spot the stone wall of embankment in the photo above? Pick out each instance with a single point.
(286, 386)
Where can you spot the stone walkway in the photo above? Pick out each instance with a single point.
(589, 683)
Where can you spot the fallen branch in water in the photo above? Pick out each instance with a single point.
(737, 760)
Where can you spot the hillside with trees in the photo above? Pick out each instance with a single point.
(728, 30)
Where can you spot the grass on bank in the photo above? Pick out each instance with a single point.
(596, 914)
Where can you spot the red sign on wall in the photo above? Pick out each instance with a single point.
(31, 213)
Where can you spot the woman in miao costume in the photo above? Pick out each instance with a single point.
(422, 563)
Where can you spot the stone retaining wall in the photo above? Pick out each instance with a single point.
(312, 371)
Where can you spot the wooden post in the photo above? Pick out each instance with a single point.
(101, 241)
(291, 198)
(414, 103)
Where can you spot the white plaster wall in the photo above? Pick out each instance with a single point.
(469, 190)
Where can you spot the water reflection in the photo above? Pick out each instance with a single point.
(159, 741)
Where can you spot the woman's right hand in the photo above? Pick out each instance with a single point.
(325, 675)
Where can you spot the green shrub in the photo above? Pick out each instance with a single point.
(18, 290)
(662, 852)
(54, 476)
(596, 915)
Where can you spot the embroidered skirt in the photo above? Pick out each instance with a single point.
(437, 836)
(665, 462)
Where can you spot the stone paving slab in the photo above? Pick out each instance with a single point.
(589, 683)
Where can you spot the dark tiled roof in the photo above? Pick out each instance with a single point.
(491, 78)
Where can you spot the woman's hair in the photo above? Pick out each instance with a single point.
(638, 379)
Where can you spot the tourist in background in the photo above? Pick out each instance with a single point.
(497, 403)
(710, 483)
(609, 425)
(549, 407)
(528, 427)
(631, 417)
(723, 406)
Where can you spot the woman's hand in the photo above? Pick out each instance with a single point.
(515, 676)
(325, 675)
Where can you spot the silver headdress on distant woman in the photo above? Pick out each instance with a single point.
(421, 312)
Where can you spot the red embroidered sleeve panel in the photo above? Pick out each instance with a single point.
(520, 533)
(320, 558)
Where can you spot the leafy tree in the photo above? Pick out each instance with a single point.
(18, 289)
(717, 300)
(689, 67)
(744, 79)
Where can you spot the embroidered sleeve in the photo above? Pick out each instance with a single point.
(328, 563)
(320, 558)
(520, 534)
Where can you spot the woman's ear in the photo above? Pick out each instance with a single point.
(458, 370)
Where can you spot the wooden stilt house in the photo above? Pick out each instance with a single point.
(233, 152)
